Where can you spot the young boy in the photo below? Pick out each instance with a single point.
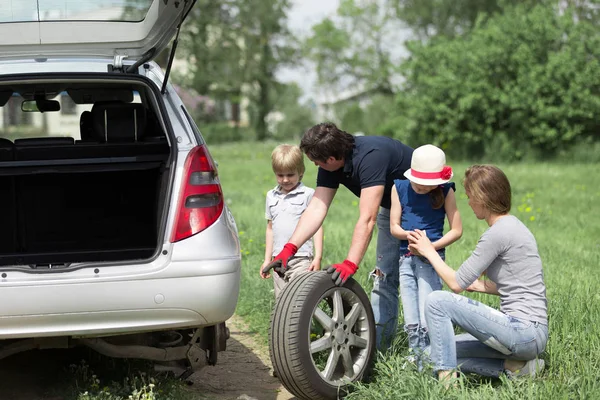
(284, 206)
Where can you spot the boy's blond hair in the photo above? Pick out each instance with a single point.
(287, 158)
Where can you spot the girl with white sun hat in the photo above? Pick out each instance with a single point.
(422, 201)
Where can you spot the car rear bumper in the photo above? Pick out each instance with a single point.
(95, 308)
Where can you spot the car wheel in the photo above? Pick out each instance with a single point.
(322, 336)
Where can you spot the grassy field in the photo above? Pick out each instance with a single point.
(559, 203)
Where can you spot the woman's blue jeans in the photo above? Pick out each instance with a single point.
(492, 335)
(417, 279)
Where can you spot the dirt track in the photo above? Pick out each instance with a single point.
(243, 372)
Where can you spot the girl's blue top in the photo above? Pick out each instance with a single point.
(418, 212)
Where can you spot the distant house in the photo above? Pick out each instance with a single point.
(219, 110)
(330, 105)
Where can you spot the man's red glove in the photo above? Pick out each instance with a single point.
(280, 262)
(341, 272)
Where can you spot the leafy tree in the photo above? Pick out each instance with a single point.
(213, 46)
(295, 117)
(585, 10)
(376, 117)
(268, 45)
(428, 18)
(234, 48)
(353, 118)
(446, 17)
(379, 116)
(356, 48)
(524, 82)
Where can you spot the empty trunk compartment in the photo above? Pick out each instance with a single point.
(94, 199)
(79, 216)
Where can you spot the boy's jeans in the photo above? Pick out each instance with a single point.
(384, 296)
(417, 279)
(492, 335)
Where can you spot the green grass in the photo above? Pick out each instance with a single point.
(559, 203)
(88, 375)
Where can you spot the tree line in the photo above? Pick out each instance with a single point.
(480, 78)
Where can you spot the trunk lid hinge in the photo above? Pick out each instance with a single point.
(117, 65)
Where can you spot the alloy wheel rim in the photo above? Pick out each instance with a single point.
(340, 346)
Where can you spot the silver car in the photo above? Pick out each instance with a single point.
(115, 234)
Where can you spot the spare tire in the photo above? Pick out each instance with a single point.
(322, 336)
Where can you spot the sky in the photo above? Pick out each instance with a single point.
(306, 13)
(303, 15)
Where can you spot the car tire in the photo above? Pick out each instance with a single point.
(322, 336)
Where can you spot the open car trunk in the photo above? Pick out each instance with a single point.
(94, 195)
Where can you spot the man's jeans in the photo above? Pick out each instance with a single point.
(417, 279)
(492, 335)
(384, 296)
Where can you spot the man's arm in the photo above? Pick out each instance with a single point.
(318, 255)
(312, 218)
(370, 199)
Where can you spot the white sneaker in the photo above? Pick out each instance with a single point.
(531, 369)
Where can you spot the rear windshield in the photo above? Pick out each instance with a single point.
(74, 10)
(69, 121)
(83, 112)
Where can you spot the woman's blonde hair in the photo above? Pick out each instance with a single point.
(287, 157)
(488, 186)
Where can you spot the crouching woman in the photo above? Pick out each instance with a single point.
(506, 341)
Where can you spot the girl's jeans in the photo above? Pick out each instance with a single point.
(417, 279)
(492, 335)
(384, 296)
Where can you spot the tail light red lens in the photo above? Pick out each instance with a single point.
(201, 197)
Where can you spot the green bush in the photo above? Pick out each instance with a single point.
(296, 120)
(291, 116)
(353, 119)
(377, 116)
(525, 84)
(587, 151)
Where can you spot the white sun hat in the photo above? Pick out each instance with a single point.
(428, 166)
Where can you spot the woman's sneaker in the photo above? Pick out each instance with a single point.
(531, 369)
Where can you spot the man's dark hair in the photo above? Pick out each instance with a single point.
(326, 140)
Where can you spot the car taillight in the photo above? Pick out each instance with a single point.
(201, 198)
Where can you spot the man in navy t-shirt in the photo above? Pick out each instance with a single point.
(367, 166)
